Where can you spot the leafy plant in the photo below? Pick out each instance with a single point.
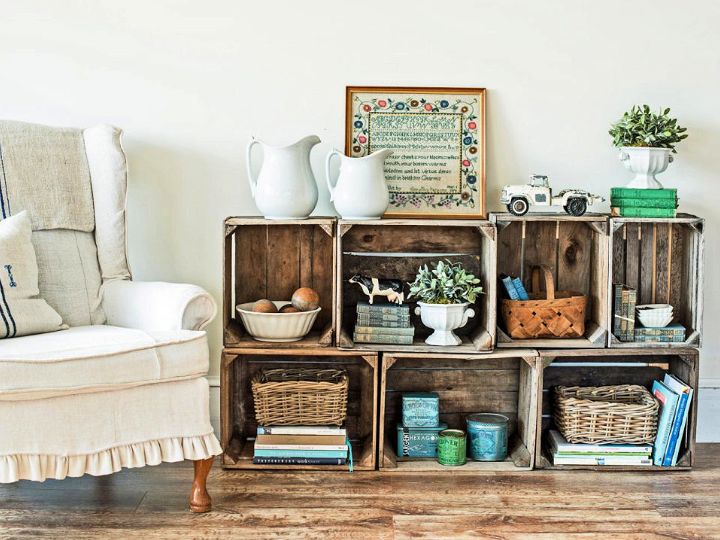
(446, 283)
(641, 127)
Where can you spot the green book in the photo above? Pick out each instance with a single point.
(635, 193)
(367, 319)
(643, 212)
(387, 339)
(385, 331)
(384, 309)
(643, 203)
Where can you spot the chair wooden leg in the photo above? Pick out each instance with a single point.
(199, 498)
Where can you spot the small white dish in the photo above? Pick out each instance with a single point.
(654, 315)
(277, 327)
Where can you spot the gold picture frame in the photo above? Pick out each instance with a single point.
(437, 135)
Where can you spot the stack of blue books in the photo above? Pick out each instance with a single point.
(513, 288)
(675, 397)
(301, 445)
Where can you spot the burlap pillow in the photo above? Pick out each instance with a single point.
(21, 311)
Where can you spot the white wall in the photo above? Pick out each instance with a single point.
(191, 81)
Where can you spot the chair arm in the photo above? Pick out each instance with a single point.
(154, 305)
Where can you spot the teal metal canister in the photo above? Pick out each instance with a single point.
(487, 436)
(452, 448)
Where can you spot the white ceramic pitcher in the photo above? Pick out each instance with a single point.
(285, 187)
(361, 190)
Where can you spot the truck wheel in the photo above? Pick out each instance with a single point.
(576, 206)
(518, 206)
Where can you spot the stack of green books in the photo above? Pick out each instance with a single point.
(651, 203)
(383, 323)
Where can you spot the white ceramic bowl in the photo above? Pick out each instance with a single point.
(654, 315)
(277, 327)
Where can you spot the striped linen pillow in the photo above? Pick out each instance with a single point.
(22, 312)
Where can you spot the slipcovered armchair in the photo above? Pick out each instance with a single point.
(122, 384)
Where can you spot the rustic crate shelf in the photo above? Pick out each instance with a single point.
(502, 382)
(663, 260)
(575, 249)
(271, 259)
(606, 367)
(395, 248)
(238, 424)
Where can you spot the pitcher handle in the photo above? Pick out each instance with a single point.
(331, 187)
(248, 162)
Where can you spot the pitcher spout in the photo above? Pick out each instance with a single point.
(307, 142)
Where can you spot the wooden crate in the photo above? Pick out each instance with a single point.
(606, 367)
(575, 249)
(503, 382)
(663, 260)
(395, 248)
(271, 259)
(237, 413)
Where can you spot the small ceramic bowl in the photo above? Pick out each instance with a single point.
(654, 315)
(277, 327)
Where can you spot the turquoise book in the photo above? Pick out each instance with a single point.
(509, 287)
(520, 288)
(668, 406)
(678, 427)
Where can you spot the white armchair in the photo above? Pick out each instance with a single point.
(123, 385)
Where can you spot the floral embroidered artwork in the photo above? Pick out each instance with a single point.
(437, 139)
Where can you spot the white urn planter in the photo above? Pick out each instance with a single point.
(444, 318)
(645, 163)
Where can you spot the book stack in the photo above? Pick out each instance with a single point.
(301, 445)
(513, 287)
(675, 397)
(624, 312)
(650, 203)
(383, 323)
(565, 453)
(672, 333)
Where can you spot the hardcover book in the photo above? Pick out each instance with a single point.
(520, 288)
(644, 203)
(617, 211)
(636, 193)
(681, 416)
(624, 312)
(559, 445)
(301, 430)
(388, 321)
(392, 339)
(301, 453)
(384, 309)
(385, 330)
(300, 442)
(668, 405)
(510, 289)
(673, 333)
(258, 460)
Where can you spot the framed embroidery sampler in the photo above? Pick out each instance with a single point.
(437, 136)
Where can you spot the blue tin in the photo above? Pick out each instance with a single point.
(418, 442)
(487, 436)
(420, 409)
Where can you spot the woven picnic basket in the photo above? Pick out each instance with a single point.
(307, 397)
(554, 314)
(620, 414)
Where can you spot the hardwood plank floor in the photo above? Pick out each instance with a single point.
(152, 503)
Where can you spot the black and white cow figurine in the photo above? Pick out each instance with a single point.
(391, 288)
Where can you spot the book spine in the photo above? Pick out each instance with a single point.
(643, 212)
(302, 447)
(385, 330)
(383, 321)
(637, 193)
(644, 203)
(300, 430)
(645, 331)
(631, 303)
(383, 309)
(300, 453)
(640, 338)
(603, 460)
(388, 339)
(259, 460)
(667, 414)
(617, 312)
(676, 453)
(520, 288)
(510, 288)
(675, 431)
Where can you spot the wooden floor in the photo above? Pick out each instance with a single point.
(151, 503)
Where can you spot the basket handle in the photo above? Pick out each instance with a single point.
(549, 281)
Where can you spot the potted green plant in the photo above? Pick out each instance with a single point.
(444, 294)
(646, 140)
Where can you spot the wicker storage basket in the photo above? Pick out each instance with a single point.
(621, 414)
(555, 314)
(308, 397)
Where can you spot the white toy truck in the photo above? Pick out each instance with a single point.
(538, 192)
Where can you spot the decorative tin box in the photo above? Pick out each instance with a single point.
(418, 442)
(420, 409)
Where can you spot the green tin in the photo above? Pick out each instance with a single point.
(488, 436)
(452, 448)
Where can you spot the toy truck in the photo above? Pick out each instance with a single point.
(537, 192)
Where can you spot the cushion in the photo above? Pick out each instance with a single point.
(69, 275)
(94, 358)
(108, 175)
(22, 312)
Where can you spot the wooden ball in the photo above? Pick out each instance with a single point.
(289, 308)
(264, 306)
(306, 299)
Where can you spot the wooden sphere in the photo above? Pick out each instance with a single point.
(289, 308)
(264, 306)
(306, 299)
